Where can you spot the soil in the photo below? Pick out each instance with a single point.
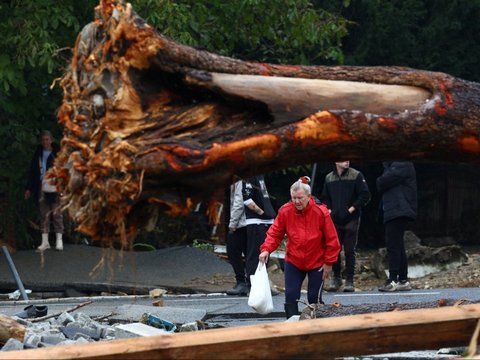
(464, 276)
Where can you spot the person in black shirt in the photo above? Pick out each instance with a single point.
(345, 192)
(398, 187)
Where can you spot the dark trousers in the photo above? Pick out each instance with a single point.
(255, 237)
(245, 241)
(236, 247)
(293, 284)
(397, 256)
(348, 237)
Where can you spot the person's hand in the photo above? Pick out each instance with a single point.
(327, 270)
(263, 257)
(27, 194)
(351, 209)
(232, 229)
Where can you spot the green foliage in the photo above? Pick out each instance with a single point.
(437, 35)
(37, 37)
(32, 32)
(278, 31)
(199, 244)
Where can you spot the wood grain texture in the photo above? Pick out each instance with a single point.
(10, 328)
(152, 126)
(315, 339)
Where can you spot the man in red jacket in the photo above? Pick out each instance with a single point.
(312, 245)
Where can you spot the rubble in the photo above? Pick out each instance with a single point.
(67, 329)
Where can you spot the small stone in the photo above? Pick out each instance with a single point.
(84, 336)
(65, 318)
(192, 326)
(32, 340)
(12, 344)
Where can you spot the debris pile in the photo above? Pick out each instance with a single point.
(68, 329)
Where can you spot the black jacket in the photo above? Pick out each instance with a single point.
(398, 187)
(345, 190)
(33, 177)
(255, 189)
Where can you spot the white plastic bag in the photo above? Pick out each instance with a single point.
(260, 298)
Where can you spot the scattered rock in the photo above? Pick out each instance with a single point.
(81, 329)
(422, 260)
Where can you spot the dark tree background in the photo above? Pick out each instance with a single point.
(36, 37)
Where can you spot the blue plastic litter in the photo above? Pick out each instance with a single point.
(156, 322)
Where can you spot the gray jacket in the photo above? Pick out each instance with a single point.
(237, 208)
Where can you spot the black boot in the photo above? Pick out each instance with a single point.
(290, 310)
(240, 289)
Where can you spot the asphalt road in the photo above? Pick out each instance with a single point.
(180, 269)
(220, 310)
(232, 311)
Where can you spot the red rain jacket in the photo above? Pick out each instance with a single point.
(312, 238)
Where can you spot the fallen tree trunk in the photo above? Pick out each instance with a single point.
(10, 328)
(379, 333)
(154, 126)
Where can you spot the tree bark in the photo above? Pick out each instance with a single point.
(152, 126)
(9, 328)
(327, 338)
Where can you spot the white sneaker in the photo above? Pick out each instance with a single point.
(42, 248)
(389, 286)
(403, 285)
(45, 244)
(59, 242)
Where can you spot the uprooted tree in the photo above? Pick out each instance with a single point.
(153, 126)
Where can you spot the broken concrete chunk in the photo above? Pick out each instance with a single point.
(191, 326)
(12, 344)
(65, 318)
(53, 339)
(125, 331)
(83, 319)
(31, 340)
(72, 329)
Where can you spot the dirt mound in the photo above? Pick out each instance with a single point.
(464, 276)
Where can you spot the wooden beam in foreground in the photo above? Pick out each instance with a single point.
(364, 334)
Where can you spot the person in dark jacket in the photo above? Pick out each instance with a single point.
(345, 192)
(43, 192)
(398, 188)
(312, 245)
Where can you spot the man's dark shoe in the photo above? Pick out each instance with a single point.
(239, 289)
(334, 284)
(33, 311)
(348, 286)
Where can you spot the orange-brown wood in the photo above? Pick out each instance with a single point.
(316, 339)
(10, 328)
(152, 126)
